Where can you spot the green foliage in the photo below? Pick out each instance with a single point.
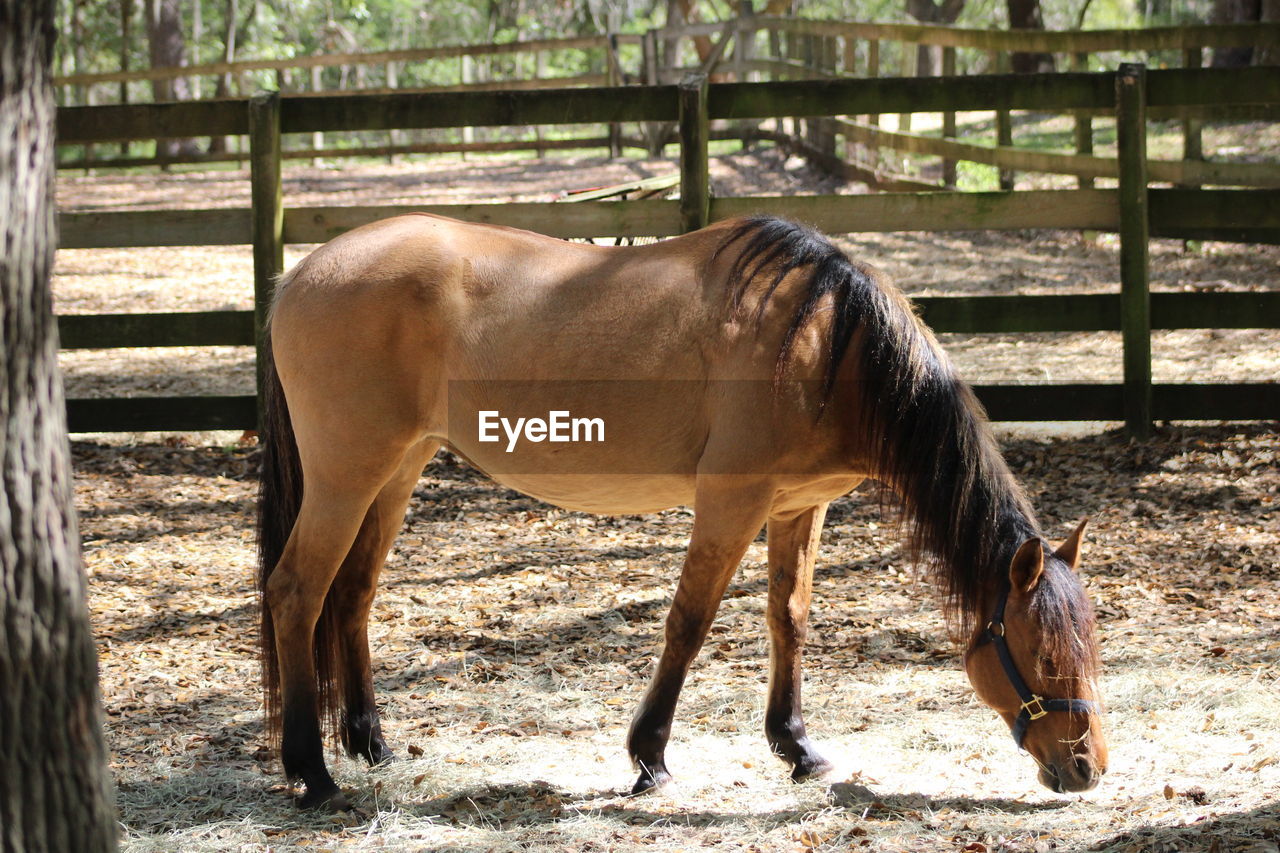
(91, 38)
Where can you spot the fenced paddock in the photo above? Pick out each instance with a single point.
(513, 640)
(1132, 209)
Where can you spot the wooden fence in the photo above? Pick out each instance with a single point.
(767, 48)
(1132, 209)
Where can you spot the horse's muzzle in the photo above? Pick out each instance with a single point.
(1078, 773)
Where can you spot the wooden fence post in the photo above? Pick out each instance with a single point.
(613, 77)
(695, 175)
(744, 53)
(1135, 295)
(949, 119)
(317, 84)
(1084, 124)
(1192, 144)
(1004, 122)
(268, 218)
(395, 137)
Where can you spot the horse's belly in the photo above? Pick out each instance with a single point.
(616, 494)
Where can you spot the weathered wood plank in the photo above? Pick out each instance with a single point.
(1256, 401)
(124, 228)
(1244, 215)
(335, 59)
(1048, 41)
(477, 109)
(364, 151)
(654, 184)
(567, 82)
(1065, 402)
(183, 329)
(1083, 165)
(1044, 92)
(1250, 215)
(151, 121)
(1012, 314)
(1183, 402)
(1256, 310)
(1097, 312)
(935, 211)
(1008, 157)
(161, 414)
(644, 218)
(1177, 86)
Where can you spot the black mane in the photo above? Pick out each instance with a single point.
(926, 434)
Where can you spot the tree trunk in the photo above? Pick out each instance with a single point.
(168, 50)
(1235, 12)
(929, 57)
(55, 793)
(218, 144)
(1025, 15)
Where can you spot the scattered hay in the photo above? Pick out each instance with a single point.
(513, 640)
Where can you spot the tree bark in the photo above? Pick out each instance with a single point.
(929, 57)
(1236, 12)
(218, 144)
(1025, 15)
(55, 793)
(168, 49)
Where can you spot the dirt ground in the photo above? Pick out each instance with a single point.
(512, 640)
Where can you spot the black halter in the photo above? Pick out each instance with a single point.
(1033, 707)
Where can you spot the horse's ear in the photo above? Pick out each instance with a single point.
(1069, 551)
(1027, 565)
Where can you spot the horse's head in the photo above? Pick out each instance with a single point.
(1033, 659)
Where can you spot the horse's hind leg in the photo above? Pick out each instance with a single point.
(341, 485)
(727, 518)
(351, 597)
(793, 547)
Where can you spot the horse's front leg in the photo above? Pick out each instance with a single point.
(728, 514)
(793, 548)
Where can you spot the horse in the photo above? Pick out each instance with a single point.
(750, 370)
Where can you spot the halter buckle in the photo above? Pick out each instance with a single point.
(991, 628)
(1035, 710)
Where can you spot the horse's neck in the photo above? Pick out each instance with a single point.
(968, 513)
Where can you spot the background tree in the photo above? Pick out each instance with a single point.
(55, 793)
(1025, 15)
(1241, 12)
(168, 49)
(928, 58)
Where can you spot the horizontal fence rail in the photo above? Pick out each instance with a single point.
(1248, 215)
(783, 48)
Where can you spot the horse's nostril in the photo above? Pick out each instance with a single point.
(1084, 767)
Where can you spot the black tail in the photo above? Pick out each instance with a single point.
(279, 498)
(279, 501)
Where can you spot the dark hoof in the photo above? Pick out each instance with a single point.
(810, 768)
(650, 780)
(332, 801)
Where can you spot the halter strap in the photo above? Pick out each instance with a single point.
(1033, 706)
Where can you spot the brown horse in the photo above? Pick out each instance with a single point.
(750, 370)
